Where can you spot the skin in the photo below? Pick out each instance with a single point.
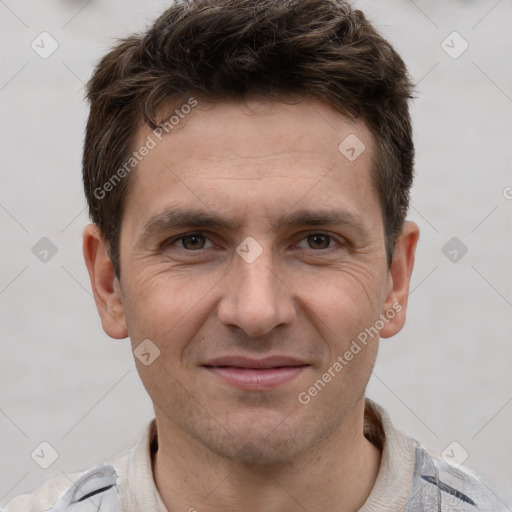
(221, 447)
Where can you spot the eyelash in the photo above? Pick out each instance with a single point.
(173, 240)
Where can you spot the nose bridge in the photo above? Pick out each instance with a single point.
(255, 298)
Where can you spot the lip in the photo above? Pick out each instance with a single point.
(247, 362)
(256, 374)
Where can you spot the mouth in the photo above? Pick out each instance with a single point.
(256, 374)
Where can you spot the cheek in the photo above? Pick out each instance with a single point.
(345, 318)
(168, 312)
(169, 306)
(344, 311)
(165, 308)
(349, 296)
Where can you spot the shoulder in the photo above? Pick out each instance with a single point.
(441, 485)
(42, 498)
(103, 487)
(97, 485)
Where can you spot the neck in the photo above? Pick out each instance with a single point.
(335, 475)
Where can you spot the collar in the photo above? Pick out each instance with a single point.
(398, 457)
(138, 490)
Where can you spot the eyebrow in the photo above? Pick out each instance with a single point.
(179, 217)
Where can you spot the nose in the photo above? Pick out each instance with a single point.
(256, 296)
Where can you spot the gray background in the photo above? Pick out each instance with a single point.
(446, 377)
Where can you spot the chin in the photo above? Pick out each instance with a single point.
(263, 440)
(259, 452)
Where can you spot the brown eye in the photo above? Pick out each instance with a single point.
(319, 241)
(188, 242)
(193, 241)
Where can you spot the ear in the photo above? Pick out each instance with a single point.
(399, 278)
(105, 285)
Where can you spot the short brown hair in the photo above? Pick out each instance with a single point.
(236, 49)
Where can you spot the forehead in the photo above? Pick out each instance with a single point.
(228, 152)
(258, 128)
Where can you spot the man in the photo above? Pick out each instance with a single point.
(247, 166)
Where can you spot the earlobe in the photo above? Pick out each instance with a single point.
(400, 271)
(105, 286)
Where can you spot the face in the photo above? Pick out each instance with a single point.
(252, 256)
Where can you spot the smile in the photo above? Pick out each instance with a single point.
(254, 374)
